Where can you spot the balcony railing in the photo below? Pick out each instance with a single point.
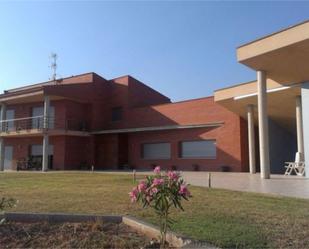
(37, 123)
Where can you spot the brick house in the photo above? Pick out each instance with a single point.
(86, 120)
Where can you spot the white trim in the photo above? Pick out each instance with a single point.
(16, 119)
(268, 91)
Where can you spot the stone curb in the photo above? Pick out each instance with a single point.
(172, 238)
(140, 226)
(153, 231)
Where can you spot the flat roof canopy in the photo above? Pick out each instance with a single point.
(280, 107)
(37, 96)
(284, 55)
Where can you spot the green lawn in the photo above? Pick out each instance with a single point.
(224, 218)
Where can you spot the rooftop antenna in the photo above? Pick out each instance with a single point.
(53, 65)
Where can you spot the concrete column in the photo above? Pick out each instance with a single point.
(251, 139)
(1, 154)
(299, 126)
(45, 136)
(45, 152)
(263, 125)
(2, 126)
(46, 112)
(305, 109)
(2, 116)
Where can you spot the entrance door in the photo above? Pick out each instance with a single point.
(8, 157)
(123, 154)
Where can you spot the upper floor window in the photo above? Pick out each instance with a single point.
(117, 113)
(198, 149)
(37, 117)
(10, 116)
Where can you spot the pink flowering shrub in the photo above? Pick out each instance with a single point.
(161, 191)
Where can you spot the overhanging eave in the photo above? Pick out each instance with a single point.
(283, 55)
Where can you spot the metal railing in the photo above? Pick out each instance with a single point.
(37, 123)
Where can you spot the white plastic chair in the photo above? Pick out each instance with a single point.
(298, 166)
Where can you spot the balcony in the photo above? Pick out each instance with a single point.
(35, 126)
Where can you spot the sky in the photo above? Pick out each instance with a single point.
(183, 49)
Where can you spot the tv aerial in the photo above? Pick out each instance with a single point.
(53, 65)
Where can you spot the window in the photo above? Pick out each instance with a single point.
(117, 114)
(37, 150)
(198, 149)
(10, 115)
(37, 120)
(156, 151)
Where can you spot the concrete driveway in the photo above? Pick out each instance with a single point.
(293, 186)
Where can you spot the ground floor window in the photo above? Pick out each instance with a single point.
(36, 153)
(156, 151)
(198, 149)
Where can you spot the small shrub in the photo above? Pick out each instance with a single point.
(6, 203)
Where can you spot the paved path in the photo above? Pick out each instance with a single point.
(292, 186)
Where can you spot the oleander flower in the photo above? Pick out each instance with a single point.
(157, 170)
(154, 191)
(183, 190)
(157, 182)
(172, 175)
(142, 186)
(133, 194)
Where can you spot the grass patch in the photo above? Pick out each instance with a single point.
(224, 218)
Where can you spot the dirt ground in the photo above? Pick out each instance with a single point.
(69, 235)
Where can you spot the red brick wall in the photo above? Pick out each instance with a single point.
(227, 142)
(107, 151)
(70, 152)
(78, 151)
(82, 78)
(197, 111)
(142, 95)
(127, 92)
(231, 137)
(95, 95)
(76, 113)
(21, 148)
